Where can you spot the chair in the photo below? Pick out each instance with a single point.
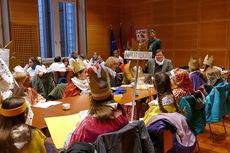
(217, 105)
(67, 75)
(195, 108)
(133, 138)
(167, 140)
(43, 85)
(179, 139)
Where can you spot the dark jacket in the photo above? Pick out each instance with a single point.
(57, 92)
(154, 44)
(44, 85)
(133, 138)
(80, 147)
(167, 66)
(114, 82)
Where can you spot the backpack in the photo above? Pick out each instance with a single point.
(61, 79)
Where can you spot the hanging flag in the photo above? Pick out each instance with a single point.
(113, 45)
(120, 49)
(129, 41)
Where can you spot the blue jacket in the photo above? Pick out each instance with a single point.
(195, 109)
(217, 103)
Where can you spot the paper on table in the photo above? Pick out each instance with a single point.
(59, 127)
(224, 71)
(129, 103)
(47, 104)
(114, 88)
(83, 114)
(150, 85)
(126, 85)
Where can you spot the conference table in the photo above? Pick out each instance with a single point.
(82, 102)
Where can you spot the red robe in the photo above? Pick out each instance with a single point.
(33, 95)
(71, 90)
(90, 128)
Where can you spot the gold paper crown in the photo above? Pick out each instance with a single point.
(99, 90)
(194, 63)
(78, 65)
(14, 111)
(208, 60)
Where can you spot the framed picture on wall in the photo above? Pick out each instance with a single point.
(142, 34)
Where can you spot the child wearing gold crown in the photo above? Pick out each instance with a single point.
(79, 83)
(208, 62)
(105, 115)
(196, 76)
(16, 136)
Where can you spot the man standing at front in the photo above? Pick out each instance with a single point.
(153, 42)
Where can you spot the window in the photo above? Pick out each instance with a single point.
(58, 27)
(67, 18)
(5, 24)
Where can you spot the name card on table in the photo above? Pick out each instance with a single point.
(137, 55)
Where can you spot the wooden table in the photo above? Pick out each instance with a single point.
(79, 103)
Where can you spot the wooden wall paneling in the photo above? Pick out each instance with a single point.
(182, 57)
(185, 36)
(214, 10)
(100, 14)
(186, 11)
(228, 37)
(162, 12)
(141, 10)
(185, 29)
(23, 11)
(165, 34)
(213, 35)
(26, 41)
(170, 54)
(25, 28)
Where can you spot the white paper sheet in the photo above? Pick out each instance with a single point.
(126, 85)
(150, 85)
(83, 114)
(47, 104)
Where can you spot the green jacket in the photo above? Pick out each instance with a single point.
(154, 44)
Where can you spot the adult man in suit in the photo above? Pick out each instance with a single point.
(159, 63)
(153, 42)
